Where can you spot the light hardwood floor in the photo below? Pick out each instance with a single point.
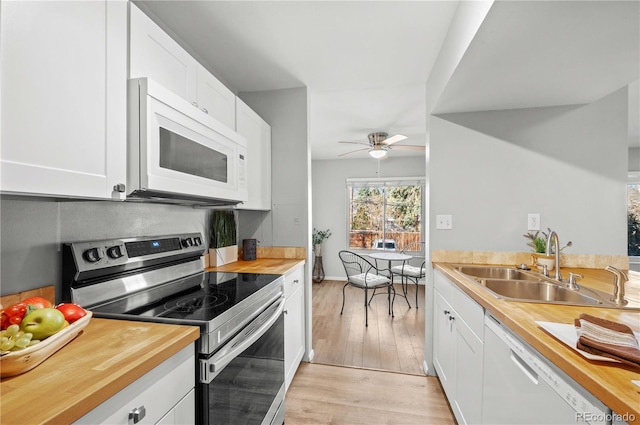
(365, 375)
(336, 395)
(394, 344)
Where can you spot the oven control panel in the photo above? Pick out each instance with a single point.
(130, 253)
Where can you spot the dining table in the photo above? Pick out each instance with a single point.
(391, 256)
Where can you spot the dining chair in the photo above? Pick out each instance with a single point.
(407, 272)
(361, 273)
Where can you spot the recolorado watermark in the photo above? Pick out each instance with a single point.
(589, 417)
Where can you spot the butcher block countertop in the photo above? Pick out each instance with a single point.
(105, 358)
(609, 382)
(260, 265)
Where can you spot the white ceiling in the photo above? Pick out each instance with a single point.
(365, 63)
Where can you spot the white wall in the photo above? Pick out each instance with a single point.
(634, 160)
(286, 224)
(490, 169)
(330, 202)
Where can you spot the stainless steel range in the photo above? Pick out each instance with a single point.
(161, 279)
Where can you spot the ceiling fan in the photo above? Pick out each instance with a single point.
(380, 143)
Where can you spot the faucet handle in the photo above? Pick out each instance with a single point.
(545, 270)
(573, 279)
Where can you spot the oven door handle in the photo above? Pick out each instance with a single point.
(210, 368)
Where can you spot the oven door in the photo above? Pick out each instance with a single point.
(243, 382)
(181, 150)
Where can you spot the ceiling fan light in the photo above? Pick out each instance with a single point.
(378, 153)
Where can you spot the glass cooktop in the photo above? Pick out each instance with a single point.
(207, 296)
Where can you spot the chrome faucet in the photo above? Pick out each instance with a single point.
(553, 235)
(619, 279)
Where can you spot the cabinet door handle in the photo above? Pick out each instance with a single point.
(446, 312)
(137, 414)
(286, 311)
(205, 110)
(195, 104)
(296, 281)
(452, 318)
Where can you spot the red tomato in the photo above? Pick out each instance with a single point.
(16, 310)
(72, 312)
(38, 302)
(5, 321)
(13, 315)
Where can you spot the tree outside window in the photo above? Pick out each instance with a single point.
(633, 219)
(384, 215)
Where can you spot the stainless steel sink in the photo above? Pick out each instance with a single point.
(494, 272)
(535, 291)
(512, 284)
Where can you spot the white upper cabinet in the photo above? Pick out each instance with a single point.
(64, 72)
(215, 98)
(258, 135)
(154, 54)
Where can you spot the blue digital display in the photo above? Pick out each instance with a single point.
(147, 247)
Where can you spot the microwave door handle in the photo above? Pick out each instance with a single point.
(219, 361)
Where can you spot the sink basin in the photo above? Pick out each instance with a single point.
(491, 272)
(535, 291)
(512, 284)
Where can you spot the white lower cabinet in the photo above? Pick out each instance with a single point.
(458, 349)
(165, 395)
(293, 322)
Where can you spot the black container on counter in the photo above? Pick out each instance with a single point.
(248, 249)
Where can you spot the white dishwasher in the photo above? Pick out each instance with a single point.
(522, 387)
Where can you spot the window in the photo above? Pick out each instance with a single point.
(384, 214)
(633, 219)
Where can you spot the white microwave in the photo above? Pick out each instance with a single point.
(178, 153)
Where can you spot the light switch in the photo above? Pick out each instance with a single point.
(444, 222)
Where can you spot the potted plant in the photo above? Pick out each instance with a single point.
(318, 237)
(223, 247)
(539, 245)
(318, 268)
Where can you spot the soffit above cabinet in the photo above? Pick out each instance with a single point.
(530, 54)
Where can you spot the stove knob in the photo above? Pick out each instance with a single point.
(93, 255)
(187, 242)
(197, 241)
(114, 252)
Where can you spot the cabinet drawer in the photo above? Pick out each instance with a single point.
(468, 310)
(293, 280)
(442, 284)
(158, 392)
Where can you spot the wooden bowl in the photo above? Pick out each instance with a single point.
(17, 362)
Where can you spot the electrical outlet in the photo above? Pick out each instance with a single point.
(444, 222)
(533, 221)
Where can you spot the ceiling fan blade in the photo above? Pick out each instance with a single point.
(393, 139)
(407, 147)
(355, 143)
(357, 150)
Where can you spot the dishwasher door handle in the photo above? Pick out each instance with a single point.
(525, 368)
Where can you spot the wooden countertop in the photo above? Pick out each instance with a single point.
(105, 358)
(260, 265)
(609, 382)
